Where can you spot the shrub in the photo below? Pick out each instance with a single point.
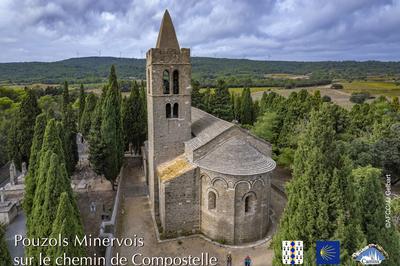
(359, 97)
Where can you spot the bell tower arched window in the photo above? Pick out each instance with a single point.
(166, 82)
(175, 111)
(168, 110)
(212, 201)
(175, 76)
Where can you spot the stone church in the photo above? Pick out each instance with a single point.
(205, 175)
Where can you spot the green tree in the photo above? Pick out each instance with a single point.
(197, 99)
(81, 104)
(5, 258)
(318, 194)
(69, 132)
(21, 135)
(67, 226)
(371, 200)
(86, 118)
(133, 119)
(111, 129)
(97, 148)
(30, 179)
(221, 105)
(246, 108)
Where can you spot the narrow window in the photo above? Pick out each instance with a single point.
(168, 110)
(175, 113)
(249, 204)
(176, 81)
(212, 200)
(166, 82)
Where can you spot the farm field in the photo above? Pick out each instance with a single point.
(375, 88)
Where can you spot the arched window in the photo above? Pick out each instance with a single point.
(249, 203)
(175, 76)
(168, 110)
(175, 113)
(166, 82)
(212, 201)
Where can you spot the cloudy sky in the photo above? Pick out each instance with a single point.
(307, 30)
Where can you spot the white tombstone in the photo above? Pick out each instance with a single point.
(13, 174)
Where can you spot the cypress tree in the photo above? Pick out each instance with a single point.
(371, 200)
(30, 179)
(318, 192)
(69, 132)
(5, 258)
(134, 122)
(69, 227)
(81, 105)
(21, 135)
(111, 129)
(143, 97)
(246, 108)
(97, 148)
(86, 119)
(221, 102)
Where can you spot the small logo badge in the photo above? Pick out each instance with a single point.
(328, 252)
(292, 252)
(370, 255)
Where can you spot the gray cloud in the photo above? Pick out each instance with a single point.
(39, 30)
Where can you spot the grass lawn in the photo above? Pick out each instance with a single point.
(373, 87)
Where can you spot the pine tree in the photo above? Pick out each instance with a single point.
(319, 190)
(134, 122)
(86, 119)
(21, 135)
(111, 129)
(30, 179)
(5, 258)
(372, 204)
(220, 105)
(246, 108)
(67, 226)
(81, 105)
(69, 132)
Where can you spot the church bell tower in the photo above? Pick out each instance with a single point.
(168, 72)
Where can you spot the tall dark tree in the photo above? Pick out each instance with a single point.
(134, 122)
(320, 204)
(86, 119)
(21, 135)
(111, 129)
(246, 108)
(5, 258)
(372, 204)
(69, 132)
(30, 179)
(81, 105)
(97, 148)
(221, 102)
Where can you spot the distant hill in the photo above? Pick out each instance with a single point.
(207, 70)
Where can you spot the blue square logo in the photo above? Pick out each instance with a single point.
(328, 252)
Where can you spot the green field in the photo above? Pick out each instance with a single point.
(373, 87)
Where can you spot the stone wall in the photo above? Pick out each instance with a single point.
(229, 222)
(180, 204)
